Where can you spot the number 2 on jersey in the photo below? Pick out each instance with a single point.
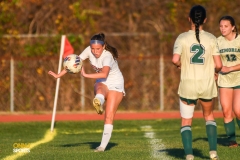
(198, 52)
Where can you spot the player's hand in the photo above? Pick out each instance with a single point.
(53, 74)
(225, 69)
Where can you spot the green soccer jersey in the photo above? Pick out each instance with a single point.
(197, 65)
(230, 55)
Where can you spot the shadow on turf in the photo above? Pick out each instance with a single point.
(178, 153)
(221, 140)
(92, 145)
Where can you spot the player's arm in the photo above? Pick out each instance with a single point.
(176, 60)
(103, 74)
(230, 69)
(63, 72)
(218, 63)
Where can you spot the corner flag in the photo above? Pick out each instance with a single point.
(65, 50)
(68, 49)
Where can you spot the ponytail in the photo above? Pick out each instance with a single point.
(197, 15)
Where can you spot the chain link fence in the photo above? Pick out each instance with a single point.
(151, 81)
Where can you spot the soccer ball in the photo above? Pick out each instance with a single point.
(72, 63)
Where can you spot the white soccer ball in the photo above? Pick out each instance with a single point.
(72, 63)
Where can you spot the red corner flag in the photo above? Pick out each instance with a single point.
(68, 49)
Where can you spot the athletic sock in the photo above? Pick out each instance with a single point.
(230, 130)
(186, 134)
(107, 132)
(100, 97)
(238, 122)
(211, 129)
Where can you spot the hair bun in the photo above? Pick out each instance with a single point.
(102, 35)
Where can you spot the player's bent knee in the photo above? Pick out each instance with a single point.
(186, 111)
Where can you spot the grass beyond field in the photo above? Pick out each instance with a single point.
(131, 140)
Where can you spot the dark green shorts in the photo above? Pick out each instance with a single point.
(194, 101)
(236, 87)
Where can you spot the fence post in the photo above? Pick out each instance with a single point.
(12, 84)
(82, 93)
(161, 82)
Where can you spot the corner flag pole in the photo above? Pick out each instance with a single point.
(58, 82)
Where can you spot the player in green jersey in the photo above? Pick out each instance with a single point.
(229, 77)
(196, 54)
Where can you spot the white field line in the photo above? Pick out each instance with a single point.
(157, 146)
(47, 138)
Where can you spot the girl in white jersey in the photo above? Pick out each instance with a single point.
(195, 53)
(229, 77)
(109, 84)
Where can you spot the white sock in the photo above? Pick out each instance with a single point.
(101, 98)
(107, 132)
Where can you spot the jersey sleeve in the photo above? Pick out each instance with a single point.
(85, 54)
(177, 49)
(108, 61)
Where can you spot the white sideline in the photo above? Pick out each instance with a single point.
(157, 146)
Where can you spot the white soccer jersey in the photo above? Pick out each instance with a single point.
(115, 80)
(197, 65)
(230, 55)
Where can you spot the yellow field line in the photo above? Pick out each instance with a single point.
(47, 138)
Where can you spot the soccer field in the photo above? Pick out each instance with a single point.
(131, 140)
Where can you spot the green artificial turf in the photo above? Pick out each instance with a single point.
(131, 140)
